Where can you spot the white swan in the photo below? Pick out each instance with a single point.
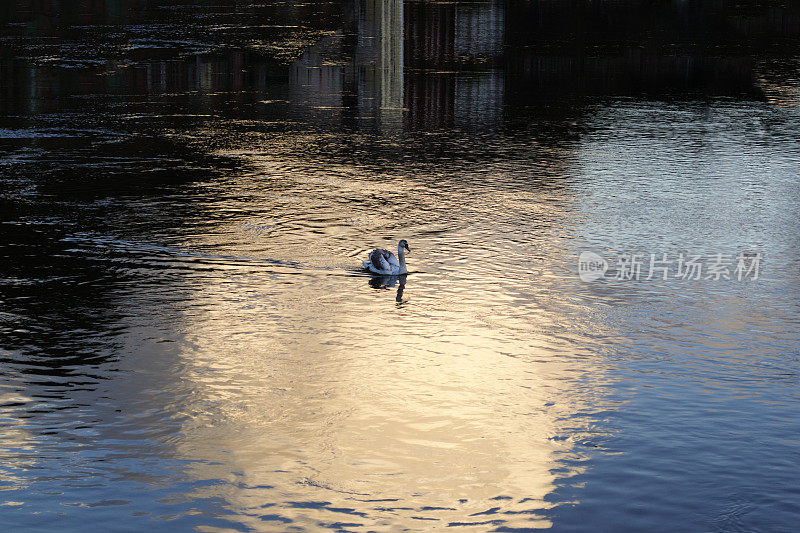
(384, 262)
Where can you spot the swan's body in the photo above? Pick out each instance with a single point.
(384, 262)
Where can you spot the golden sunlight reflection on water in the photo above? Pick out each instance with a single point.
(328, 398)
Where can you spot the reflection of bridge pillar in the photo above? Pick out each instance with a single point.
(359, 68)
(391, 63)
(379, 58)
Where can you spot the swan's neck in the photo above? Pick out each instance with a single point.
(401, 255)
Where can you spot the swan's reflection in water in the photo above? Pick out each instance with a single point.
(389, 282)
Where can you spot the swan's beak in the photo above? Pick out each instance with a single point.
(406, 247)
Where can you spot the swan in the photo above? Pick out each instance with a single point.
(384, 262)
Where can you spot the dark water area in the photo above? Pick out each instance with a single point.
(187, 190)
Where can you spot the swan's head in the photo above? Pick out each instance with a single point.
(404, 244)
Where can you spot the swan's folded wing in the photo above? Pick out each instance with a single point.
(381, 259)
(392, 260)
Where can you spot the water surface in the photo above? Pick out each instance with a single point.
(188, 189)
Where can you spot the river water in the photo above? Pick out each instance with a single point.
(188, 189)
